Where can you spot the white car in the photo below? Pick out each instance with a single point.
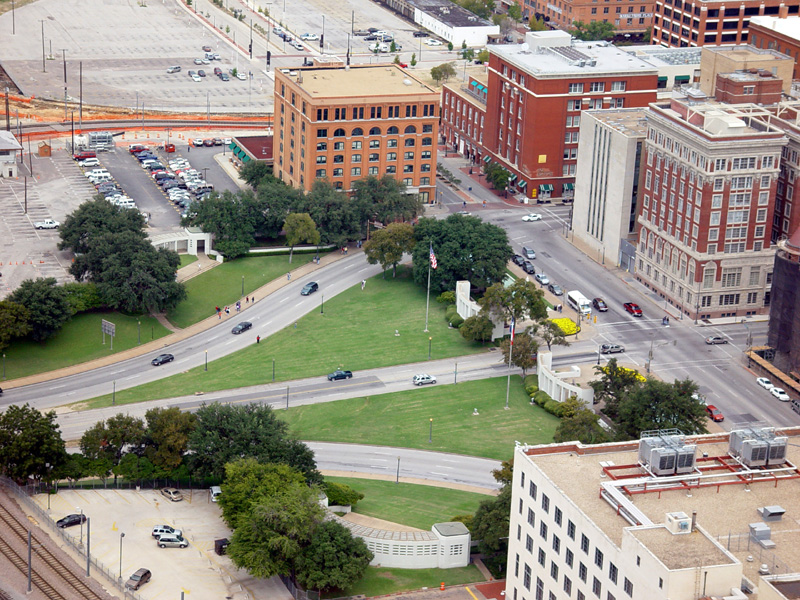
(532, 217)
(542, 278)
(423, 378)
(309, 37)
(46, 224)
(433, 42)
(780, 394)
(765, 383)
(241, 76)
(196, 78)
(297, 45)
(89, 162)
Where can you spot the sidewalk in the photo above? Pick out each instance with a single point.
(201, 265)
(261, 293)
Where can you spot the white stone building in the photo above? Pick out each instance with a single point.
(9, 146)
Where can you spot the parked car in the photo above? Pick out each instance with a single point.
(197, 142)
(71, 520)
(309, 288)
(433, 42)
(241, 76)
(172, 494)
(224, 77)
(175, 69)
(206, 48)
(423, 379)
(780, 394)
(138, 579)
(716, 339)
(217, 71)
(714, 413)
(84, 154)
(600, 304)
(361, 33)
(198, 61)
(162, 359)
(527, 266)
(47, 224)
(542, 278)
(309, 37)
(201, 73)
(160, 530)
(420, 34)
(765, 383)
(196, 78)
(241, 327)
(611, 348)
(632, 308)
(532, 217)
(555, 289)
(89, 162)
(517, 260)
(339, 374)
(172, 541)
(528, 253)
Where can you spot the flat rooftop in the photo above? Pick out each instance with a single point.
(666, 57)
(789, 26)
(631, 122)
(723, 511)
(745, 52)
(450, 13)
(359, 82)
(588, 59)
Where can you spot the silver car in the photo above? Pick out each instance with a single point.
(172, 541)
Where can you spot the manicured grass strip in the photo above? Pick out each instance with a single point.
(187, 259)
(402, 419)
(222, 285)
(80, 340)
(356, 331)
(379, 581)
(411, 504)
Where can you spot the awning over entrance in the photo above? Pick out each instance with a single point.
(545, 187)
(487, 159)
(513, 178)
(521, 185)
(682, 79)
(568, 187)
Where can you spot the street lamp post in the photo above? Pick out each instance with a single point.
(206, 367)
(430, 433)
(598, 354)
(322, 305)
(397, 480)
(114, 393)
(121, 535)
(80, 509)
(4, 365)
(430, 341)
(138, 331)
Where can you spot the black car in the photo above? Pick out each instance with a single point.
(162, 359)
(517, 260)
(71, 520)
(370, 38)
(340, 375)
(527, 266)
(420, 34)
(241, 327)
(309, 288)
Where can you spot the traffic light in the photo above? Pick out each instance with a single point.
(269, 56)
(322, 41)
(251, 49)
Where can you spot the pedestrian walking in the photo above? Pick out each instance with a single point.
(247, 299)
(363, 284)
(227, 310)
(258, 339)
(189, 148)
(288, 277)
(295, 324)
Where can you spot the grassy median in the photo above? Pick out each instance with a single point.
(381, 581)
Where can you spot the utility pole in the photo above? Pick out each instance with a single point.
(44, 65)
(64, 57)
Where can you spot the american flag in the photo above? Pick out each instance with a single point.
(433, 258)
(512, 331)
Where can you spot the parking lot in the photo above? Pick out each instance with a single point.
(196, 570)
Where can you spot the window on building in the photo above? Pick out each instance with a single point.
(320, 173)
(545, 503)
(596, 586)
(528, 543)
(708, 278)
(569, 557)
(391, 143)
(582, 572)
(628, 587)
(391, 170)
(575, 88)
(531, 517)
(752, 298)
(543, 530)
(338, 172)
(526, 577)
(584, 544)
(556, 544)
(618, 86)
(355, 171)
(542, 557)
(372, 170)
(598, 558)
(570, 530)
(719, 184)
(612, 572)
(425, 168)
(554, 570)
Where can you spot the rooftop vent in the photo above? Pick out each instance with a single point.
(678, 522)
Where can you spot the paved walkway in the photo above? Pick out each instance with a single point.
(201, 265)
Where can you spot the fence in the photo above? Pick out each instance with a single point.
(745, 542)
(44, 519)
(296, 592)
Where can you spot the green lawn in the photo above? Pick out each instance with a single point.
(356, 331)
(402, 419)
(222, 285)
(80, 340)
(411, 504)
(187, 259)
(380, 581)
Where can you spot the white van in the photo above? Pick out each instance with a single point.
(579, 302)
(216, 492)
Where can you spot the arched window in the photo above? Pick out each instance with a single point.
(339, 133)
(392, 130)
(411, 129)
(358, 131)
(375, 131)
(427, 141)
(410, 142)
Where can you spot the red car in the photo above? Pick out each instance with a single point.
(714, 413)
(403, 65)
(633, 309)
(134, 148)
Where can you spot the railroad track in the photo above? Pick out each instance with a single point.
(57, 566)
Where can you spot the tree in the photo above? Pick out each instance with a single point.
(385, 199)
(490, 527)
(29, 441)
(109, 439)
(579, 423)
(167, 436)
(505, 474)
(483, 56)
(46, 303)
(413, 61)
(253, 172)
(270, 539)
(230, 217)
(660, 405)
(592, 31)
(478, 328)
(134, 467)
(613, 385)
(248, 482)
(300, 228)
(551, 334)
(524, 351)
(468, 54)
(515, 12)
(273, 203)
(466, 248)
(396, 60)
(520, 301)
(333, 559)
(14, 322)
(340, 494)
(227, 432)
(538, 25)
(93, 219)
(393, 47)
(339, 219)
(388, 245)
(443, 72)
(496, 175)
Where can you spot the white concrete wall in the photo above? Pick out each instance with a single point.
(466, 308)
(556, 383)
(476, 36)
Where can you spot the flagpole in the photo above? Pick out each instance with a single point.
(428, 300)
(510, 351)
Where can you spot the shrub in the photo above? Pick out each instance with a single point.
(456, 320)
(465, 519)
(340, 494)
(83, 297)
(541, 398)
(449, 312)
(531, 380)
(554, 407)
(531, 389)
(566, 325)
(446, 298)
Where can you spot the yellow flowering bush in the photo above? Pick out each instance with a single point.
(566, 325)
(639, 377)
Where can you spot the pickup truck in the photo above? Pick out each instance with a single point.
(47, 224)
(340, 375)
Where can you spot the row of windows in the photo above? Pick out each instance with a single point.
(357, 144)
(358, 132)
(597, 87)
(356, 172)
(375, 112)
(375, 157)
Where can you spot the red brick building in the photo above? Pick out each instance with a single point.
(681, 23)
(708, 200)
(779, 34)
(534, 96)
(631, 16)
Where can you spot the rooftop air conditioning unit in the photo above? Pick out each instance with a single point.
(777, 451)
(646, 446)
(753, 453)
(679, 522)
(662, 461)
(685, 459)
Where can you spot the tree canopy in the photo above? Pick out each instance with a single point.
(592, 31)
(466, 248)
(657, 404)
(333, 558)
(14, 322)
(443, 72)
(167, 436)
(230, 217)
(46, 304)
(300, 229)
(579, 423)
(524, 351)
(520, 301)
(29, 441)
(387, 246)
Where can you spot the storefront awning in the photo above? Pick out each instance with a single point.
(487, 159)
(513, 178)
(545, 187)
(473, 83)
(682, 79)
(245, 158)
(568, 187)
(662, 80)
(521, 185)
